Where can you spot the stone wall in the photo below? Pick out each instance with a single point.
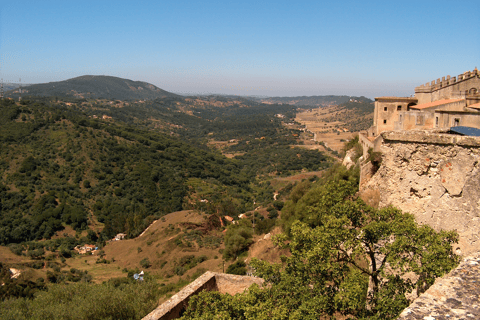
(454, 296)
(209, 281)
(448, 87)
(436, 177)
(387, 110)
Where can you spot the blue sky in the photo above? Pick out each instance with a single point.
(273, 48)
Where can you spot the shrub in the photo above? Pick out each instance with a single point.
(375, 158)
(239, 268)
(145, 263)
(237, 239)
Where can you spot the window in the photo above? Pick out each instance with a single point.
(456, 122)
(436, 121)
(399, 108)
(385, 109)
(420, 120)
(385, 121)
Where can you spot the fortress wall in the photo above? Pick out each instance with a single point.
(173, 308)
(414, 120)
(387, 111)
(454, 296)
(467, 119)
(209, 281)
(448, 87)
(365, 143)
(232, 284)
(436, 177)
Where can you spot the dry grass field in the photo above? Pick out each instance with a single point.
(319, 122)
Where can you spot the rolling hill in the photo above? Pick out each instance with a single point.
(94, 87)
(313, 101)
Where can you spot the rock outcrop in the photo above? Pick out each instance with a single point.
(436, 177)
(454, 296)
(348, 160)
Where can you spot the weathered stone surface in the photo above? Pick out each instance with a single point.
(209, 281)
(455, 296)
(347, 161)
(434, 176)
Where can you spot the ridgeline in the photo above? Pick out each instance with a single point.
(95, 87)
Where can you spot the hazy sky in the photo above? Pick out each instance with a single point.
(274, 48)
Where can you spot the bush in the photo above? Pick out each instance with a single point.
(237, 239)
(239, 268)
(109, 300)
(272, 214)
(277, 204)
(375, 158)
(264, 226)
(145, 263)
(16, 248)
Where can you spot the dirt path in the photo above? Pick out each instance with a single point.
(151, 224)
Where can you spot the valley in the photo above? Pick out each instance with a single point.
(135, 199)
(78, 171)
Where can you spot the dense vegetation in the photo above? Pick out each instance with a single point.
(313, 101)
(116, 299)
(338, 246)
(62, 168)
(93, 87)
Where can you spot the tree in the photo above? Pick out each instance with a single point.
(145, 263)
(239, 267)
(346, 260)
(237, 239)
(355, 247)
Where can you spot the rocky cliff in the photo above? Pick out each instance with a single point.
(436, 177)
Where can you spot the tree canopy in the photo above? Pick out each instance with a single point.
(346, 259)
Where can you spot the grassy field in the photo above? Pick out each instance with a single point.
(320, 121)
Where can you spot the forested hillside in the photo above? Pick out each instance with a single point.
(94, 87)
(313, 101)
(60, 167)
(65, 165)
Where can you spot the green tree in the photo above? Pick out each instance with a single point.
(354, 246)
(239, 267)
(346, 259)
(238, 239)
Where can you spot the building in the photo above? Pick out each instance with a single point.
(120, 236)
(441, 104)
(85, 248)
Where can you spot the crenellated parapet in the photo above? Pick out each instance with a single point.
(446, 81)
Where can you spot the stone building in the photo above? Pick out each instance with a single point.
(441, 104)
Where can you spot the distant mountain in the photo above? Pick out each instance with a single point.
(10, 86)
(95, 87)
(313, 101)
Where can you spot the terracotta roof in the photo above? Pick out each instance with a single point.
(434, 103)
(475, 106)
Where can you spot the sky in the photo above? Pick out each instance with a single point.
(262, 48)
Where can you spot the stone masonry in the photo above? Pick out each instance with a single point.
(436, 177)
(210, 281)
(453, 297)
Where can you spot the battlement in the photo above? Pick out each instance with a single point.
(446, 81)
